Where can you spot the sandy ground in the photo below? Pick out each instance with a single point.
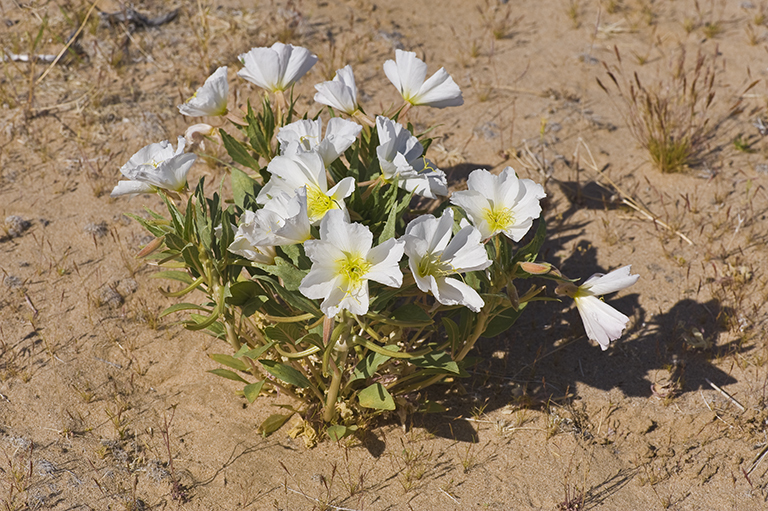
(103, 406)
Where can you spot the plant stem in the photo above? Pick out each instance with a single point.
(333, 391)
(482, 318)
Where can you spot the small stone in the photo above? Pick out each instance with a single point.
(98, 230)
(127, 286)
(14, 226)
(488, 130)
(110, 297)
(12, 281)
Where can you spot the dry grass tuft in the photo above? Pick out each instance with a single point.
(670, 119)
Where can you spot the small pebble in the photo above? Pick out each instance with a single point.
(12, 281)
(15, 226)
(97, 229)
(127, 286)
(109, 297)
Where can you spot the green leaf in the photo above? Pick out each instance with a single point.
(337, 431)
(273, 423)
(453, 333)
(153, 229)
(503, 321)
(432, 407)
(293, 253)
(216, 329)
(229, 361)
(367, 367)
(182, 307)
(411, 314)
(294, 299)
(376, 396)
(531, 250)
(290, 275)
(252, 390)
(243, 291)
(389, 227)
(244, 189)
(238, 151)
(226, 373)
(253, 354)
(441, 361)
(285, 373)
(179, 276)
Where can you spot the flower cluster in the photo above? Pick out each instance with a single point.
(322, 237)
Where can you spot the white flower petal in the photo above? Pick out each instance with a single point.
(602, 322)
(131, 188)
(439, 91)
(616, 280)
(385, 259)
(340, 93)
(466, 251)
(211, 98)
(276, 68)
(454, 292)
(407, 73)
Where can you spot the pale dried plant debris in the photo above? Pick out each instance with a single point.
(13, 227)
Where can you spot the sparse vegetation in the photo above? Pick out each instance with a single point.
(86, 388)
(670, 118)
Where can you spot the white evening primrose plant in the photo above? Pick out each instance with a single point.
(500, 204)
(435, 256)
(602, 322)
(156, 166)
(343, 261)
(408, 73)
(211, 98)
(400, 159)
(276, 68)
(305, 136)
(339, 93)
(297, 263)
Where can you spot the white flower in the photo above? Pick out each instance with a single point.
(433, 256)
(305, 136)
(196, 134)
(156, 166)
(399, 155)
(282, 221)
(248, 242)
(289, 173)
(407, 73)
(339, 93)
(276, 68)
(211, 98)
(343, 262)
(602, 322)
(500, 203)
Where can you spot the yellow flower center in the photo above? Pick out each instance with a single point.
(432, 264)
(498, 218)
(353, 268)
(318, 204)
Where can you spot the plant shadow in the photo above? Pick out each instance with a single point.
(546, 355)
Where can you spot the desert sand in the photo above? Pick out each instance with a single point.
(105, 406)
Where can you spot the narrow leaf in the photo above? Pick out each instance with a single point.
(273, 423)
(229, 361)
(285, 373)
(226, 373)
(252, 390)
